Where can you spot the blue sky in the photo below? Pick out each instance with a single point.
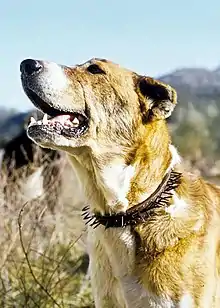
(150, 37)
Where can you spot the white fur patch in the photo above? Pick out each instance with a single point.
(127, 238)
(186, 301)
(176, 159)
(178, 208)
(116, 181)
(55, 76)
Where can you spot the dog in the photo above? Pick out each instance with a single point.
(153, 228)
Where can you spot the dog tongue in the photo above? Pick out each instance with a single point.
(61, 118)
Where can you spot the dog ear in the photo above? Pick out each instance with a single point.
(160, 99)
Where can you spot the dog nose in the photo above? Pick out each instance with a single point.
(30, 66)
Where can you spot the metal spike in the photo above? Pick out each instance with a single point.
(85, 208)
(106, 225)
(87, 216)
(94, 222)
(95, 226)
(89, 220)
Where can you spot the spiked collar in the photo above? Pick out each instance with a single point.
(140, 212)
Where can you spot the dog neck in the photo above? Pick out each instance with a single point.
(139, 212)
(116, 184)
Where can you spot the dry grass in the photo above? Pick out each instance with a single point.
(42, 257)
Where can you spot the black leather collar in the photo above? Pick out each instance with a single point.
(138, 213)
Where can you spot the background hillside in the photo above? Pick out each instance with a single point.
(195, 121)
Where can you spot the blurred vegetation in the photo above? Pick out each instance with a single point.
(195, 132)
(43, 262)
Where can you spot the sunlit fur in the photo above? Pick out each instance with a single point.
(173, 258)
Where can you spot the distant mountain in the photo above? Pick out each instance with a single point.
(14, 121)
(4, 114)
(217, 70)
(197, 81)
(12, 125)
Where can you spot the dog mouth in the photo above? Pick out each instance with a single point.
(65, 123)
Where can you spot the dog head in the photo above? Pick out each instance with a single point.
(97, 104)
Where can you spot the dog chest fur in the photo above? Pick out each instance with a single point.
(113, 264)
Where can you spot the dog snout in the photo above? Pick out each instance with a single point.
(30, 67)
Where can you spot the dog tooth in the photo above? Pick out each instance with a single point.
(75, 122)
(32, 120)
(44, 121)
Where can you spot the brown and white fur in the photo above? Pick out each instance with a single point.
(112, 124)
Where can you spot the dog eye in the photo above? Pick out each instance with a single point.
(95, 69)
